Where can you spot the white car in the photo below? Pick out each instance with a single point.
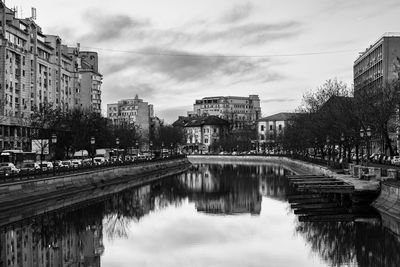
(396, 160)
(99, 160)
(46, 165)
(76, 162)
(10, 166)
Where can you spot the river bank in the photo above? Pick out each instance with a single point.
(19, 194)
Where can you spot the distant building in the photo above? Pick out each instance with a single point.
(202, 132)
(91, 81)
(379, 64)
(270, 129)
(238, 111)
(132, 112)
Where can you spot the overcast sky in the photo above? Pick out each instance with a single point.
(236, 47)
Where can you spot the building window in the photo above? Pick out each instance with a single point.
(262, 128)
(280, 127)
(270, 127)
(206, 141)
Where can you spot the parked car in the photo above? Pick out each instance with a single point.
(99, 160)
(396, 160)
(29, 166)
(10, 166)
(66, 164)
(86, 162)
(46, 165)
(76, 163)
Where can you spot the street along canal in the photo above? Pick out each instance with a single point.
(220, 214)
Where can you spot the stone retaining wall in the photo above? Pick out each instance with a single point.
(46, 187)
(296, 166)
(388, 201)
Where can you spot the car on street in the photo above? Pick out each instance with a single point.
(396, 160)
(8, 166)
(99, 160)
(46, 165)
(76, 163)
(29, 166)
(66, 164)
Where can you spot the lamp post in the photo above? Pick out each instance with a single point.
(162, 149)
(92, 143)
(329, 150)
(151, 149)
(343, 150)
(369, 133)
(54, 142)
(117, 143)
(362, 148)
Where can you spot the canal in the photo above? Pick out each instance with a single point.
(212, 215)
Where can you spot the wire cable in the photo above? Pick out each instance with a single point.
(170, 54)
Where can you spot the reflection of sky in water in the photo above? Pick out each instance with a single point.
(181, 236)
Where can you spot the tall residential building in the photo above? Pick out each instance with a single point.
(91, 81)
(36, 68)
(238, 111)
(132, 112)
(379, 64)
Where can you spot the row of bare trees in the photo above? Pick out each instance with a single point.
(75, 129)
(333, 117)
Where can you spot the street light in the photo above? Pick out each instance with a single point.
(92, 143)
(117, 143)
(54, 142)
(343, 151)
(162, 149)
(171, 149)
(151, 149)
(328, 140)
(369, 133)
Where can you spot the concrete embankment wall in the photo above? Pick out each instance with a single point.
(23, 192)
(296, 166)
(388, 203)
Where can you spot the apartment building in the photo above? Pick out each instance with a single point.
(238, 111)
(379, 64)
(91, 81)
(36, 68)
(132, 112)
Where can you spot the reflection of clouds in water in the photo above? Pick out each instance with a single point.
(183, 237)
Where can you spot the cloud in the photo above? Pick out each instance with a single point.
(278, 100)
(126, 89)
(107, 27)
(171, 114)
(238, 13)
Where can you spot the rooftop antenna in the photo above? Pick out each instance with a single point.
(33, 13)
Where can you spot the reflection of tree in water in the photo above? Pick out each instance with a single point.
(341, 243)
(333, 241)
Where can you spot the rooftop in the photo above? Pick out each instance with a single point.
(385, 35)
(283, 116)
(199, 121)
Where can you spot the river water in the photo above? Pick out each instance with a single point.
(212, 215)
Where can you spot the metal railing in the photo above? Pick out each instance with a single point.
(24, 175)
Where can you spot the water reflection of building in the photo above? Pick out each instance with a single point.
(272, 181)
(26, 247)
(222, 189)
